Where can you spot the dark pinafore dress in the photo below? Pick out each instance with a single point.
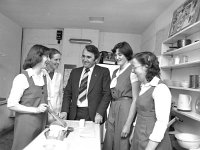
(146, 119)
(118, 113)
(28, 126)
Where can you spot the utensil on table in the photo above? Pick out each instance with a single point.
(59, 120)
(58, 134)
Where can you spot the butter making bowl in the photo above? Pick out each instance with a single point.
(188, 140)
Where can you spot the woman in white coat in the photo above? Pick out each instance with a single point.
(54, 83)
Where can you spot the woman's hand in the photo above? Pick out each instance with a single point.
(125, 131)
(131, 136)
(98, 118)
(63, 115)
(151, 145)
(41, 108)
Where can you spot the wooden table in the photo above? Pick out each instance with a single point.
(85, 138)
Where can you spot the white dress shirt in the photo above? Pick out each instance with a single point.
(20, 84)
(162, 100)
(85, 102)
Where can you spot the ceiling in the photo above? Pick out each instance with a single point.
(121, 16)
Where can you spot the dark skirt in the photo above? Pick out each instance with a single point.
(27, 127)
(143, 129)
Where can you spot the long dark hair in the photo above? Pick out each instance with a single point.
(149, 60)
(35, 55)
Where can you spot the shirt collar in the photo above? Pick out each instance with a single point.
(32, 73)
(153, 82)
(121, 71)
(91, 68)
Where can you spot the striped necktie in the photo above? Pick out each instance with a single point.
(83, 86)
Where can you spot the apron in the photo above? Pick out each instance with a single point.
(118, 113)
(28, 126)
(146, 119)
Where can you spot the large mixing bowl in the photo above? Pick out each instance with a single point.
(188, 140)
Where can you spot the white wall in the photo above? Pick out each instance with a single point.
(108, 40)
(46, 37)
(10, 45)
(71, 53)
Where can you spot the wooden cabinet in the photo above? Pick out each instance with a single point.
(177, 72)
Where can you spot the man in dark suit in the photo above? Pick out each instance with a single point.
(93, 105)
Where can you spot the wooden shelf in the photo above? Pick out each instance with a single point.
(182, 88)
(183, 33)
(182, 65)
(192, 115)
(191, 47)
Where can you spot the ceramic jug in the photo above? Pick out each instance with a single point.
(184, 102)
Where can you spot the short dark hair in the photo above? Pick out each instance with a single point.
(53, 51)
(93, 49)
(125, 49)
(149, 60)
(35, 55)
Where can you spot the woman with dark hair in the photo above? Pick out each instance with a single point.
(124, 89)
(152, 106)
(54, 83)
(28, 98)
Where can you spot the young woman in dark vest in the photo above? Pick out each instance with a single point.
(28, 98)
(152, 106)
(124, 89)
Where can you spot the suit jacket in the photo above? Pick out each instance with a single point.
(99, 94)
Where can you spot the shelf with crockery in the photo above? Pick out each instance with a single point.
(190, 114)
(183, 88)
(187, 48)
(182, 65)
(184, 33)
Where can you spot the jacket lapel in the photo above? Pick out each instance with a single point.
(93, 79)
(77, 79)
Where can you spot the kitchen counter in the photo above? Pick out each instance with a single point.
(84, 138)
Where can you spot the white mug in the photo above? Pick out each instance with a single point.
(184, 102)
(177, 60)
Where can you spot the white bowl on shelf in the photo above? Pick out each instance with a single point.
(188, 140)
(185, 84)
(168, 82)
(177, 83)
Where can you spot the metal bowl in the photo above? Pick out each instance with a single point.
(183, 42)
(188, 140)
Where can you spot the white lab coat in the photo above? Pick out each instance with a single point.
(55, 92)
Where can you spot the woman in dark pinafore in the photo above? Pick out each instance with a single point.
(152, 106)
(124, 89)
(28, 98)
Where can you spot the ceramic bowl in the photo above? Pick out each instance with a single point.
(188, 140)
(185, 84)
(168, 82)
(177, 83)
